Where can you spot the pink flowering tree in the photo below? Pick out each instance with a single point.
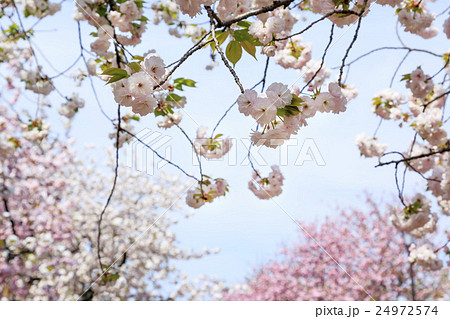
(148, 86)
(356, 256)
(49, 230)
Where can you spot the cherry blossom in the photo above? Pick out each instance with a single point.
(365, 244)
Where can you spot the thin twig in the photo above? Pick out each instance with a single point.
(389, 48)
(349, 12)
(11, 220)
(407, 159)
(355, 37)
(116, 174)
(224, 59)
(243, 16)
(89, 76)
(323, 59)
(159, 155)
(195, 48)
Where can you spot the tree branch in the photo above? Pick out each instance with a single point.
(355, 36)
(407, 159)
(243, 16)
(224, 59)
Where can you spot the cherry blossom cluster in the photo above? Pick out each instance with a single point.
(267, 187)
(439, 181)
(423, 112)
(36, 130)
(48, 226)
(211, 148)
(369, 146)
(281, 113)
(21, 66)
(420, 84)
(170, 120)
(193, 7)
(386, 104)
(325, 7)
(302, 271)
(71, 107)
(291, 54)
(35, 82)
(415, 18)
(416, 219)
(207, 190)
(425, 257)
(429, 126)
(166, 11)
(126, 16)
(426, 121)
(447, 27)
(137, 90)
(40, 8)
(169, 12)
(275, 24)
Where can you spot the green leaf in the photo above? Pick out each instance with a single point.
(234, 52)
(173, 97)
(139, 3)
(244, 24)
(406, 77)
(377, 101)
(163, 112)
(134, 66)
(169, 109)
(221, 36)
(138, 57)
(115, 71)
(281, 112)
(117, 74)
(291, 110)
(182, 81)
(159, 112)
(116, 78)
(242, 35)
(102, 11)
(217, 136)
(187, 82)
(296, 101)
(249, 48)
(110, 277)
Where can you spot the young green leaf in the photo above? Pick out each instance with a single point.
(244, 24)
(116, 78)
(115, 71)
(221, 36)
(406, 77)
(182, 81)
(134, 66)
(234, 52)
(249, 48)
(173, 97)
(296, 101)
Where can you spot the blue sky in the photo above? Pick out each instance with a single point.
(246, 229)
